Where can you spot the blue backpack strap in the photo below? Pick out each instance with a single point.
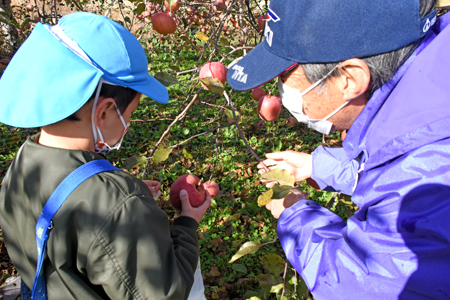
(44, 223)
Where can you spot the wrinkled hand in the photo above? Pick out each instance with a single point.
(276, 207)
(154, 186)
(196, 213)
(297, 163)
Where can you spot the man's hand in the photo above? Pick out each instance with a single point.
(276, 207)
(297, 163)
(154, 186)
(196, 213)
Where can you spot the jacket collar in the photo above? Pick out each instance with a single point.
(395, 119)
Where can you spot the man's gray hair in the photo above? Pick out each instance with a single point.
(382, 66)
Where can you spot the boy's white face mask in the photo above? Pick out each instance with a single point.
(100, 145)
(293, 101)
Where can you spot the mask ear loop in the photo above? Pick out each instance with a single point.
(97, 95)
(94, 127)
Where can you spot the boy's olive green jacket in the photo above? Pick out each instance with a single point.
(110, 239)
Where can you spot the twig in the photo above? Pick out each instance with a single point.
(271, 242)
(242, 134)
(284, 280)
(276, 82)
(151, 120)
(179, 117)
(203, 133)
(236, 49)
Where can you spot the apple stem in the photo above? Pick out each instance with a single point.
(242, 134)
(276, 82)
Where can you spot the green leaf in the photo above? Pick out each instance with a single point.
(175, 68)
(265, 198)
(273, 263)
(280, 192)
(267, 281)
(247, 248)
(186, 131)
(140, 8)
(276, 288)
(239, 268)
(165, 79)
(283, 177)
(133, 161)
(201, 36)
(171, 2)
(224, 42)
(187, 154)
(213, 84)
(161, 155)
(279, 145)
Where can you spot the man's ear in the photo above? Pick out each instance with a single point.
(102, 111)
(356, 76)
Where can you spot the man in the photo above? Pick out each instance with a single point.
(381, 70)
(80, 81)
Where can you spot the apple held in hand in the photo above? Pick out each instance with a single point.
(212, 188)
(269, 107)
(214, 70)
(163, 23)
(189, 183)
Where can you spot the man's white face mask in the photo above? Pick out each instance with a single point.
(293, 101)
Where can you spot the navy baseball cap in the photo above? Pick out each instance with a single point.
(323, 31)
(57, 69)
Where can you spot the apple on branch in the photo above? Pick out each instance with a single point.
(257, 93)
(163, 23)
(174, 7)
(269, 107)
(214, 70)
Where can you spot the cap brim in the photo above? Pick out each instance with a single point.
(153, 89)
(256, 68)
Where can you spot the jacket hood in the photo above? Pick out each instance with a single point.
(411, 110)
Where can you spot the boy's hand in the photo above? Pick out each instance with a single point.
(196, 213)
(154, 186)
(277, 206)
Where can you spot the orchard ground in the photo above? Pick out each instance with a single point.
(204, 143)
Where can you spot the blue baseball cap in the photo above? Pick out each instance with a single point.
(323, 31)
(57, 69)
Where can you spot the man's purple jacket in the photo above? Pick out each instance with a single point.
(395, 162)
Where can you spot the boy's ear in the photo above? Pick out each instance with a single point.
(102, 111)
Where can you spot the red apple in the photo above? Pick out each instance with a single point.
(164, 23)
(290, 121)
(189, 183)
(219, 5)
(214, 70)
(29, 7)
(146, 13)
(212, 188)
(257, 93)
(260, 124)
(269, 107)
(174, 7)
(262, 21)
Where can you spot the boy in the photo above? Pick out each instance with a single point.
(109, 239)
